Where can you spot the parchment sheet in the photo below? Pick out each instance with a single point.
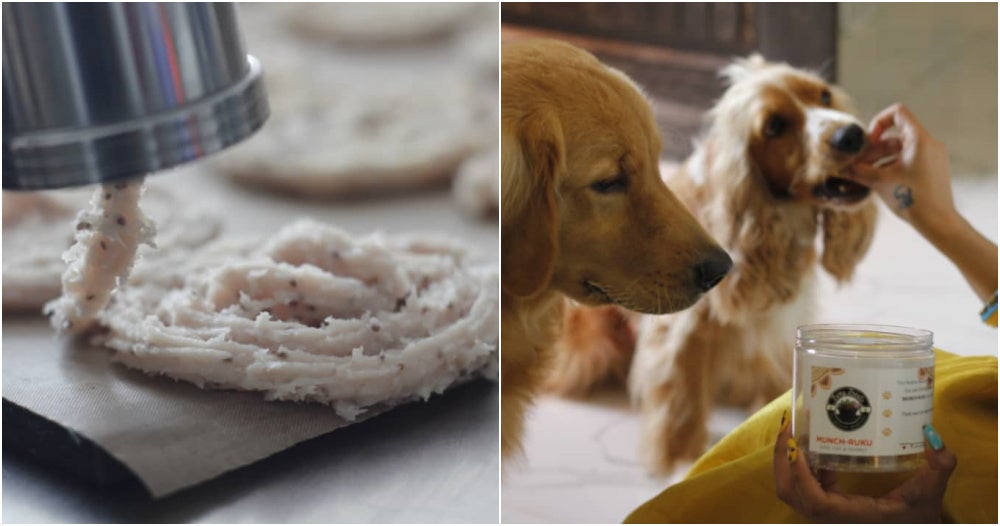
(170, 434)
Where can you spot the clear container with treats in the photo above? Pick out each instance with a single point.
(862, 395)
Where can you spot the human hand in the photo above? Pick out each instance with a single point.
(917, 500)
(913, 177)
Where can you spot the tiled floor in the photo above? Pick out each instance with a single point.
(580, 464)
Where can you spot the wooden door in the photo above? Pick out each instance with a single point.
(674, 50)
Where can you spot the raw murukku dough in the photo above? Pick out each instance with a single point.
(382, 24)
(477, 186)
(314, 314)
(349, 122)
(39, 226)
(350, 138)
(479, 47)
(36, 231)
(108, 235)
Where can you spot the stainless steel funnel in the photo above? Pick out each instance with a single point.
(98, 92)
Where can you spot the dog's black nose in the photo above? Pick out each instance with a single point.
(710, 272)
(848, 139)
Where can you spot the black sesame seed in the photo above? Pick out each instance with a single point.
(107, 195)
(104, 246)
(83, 225)
(293, 283)
(90, 297)
(121, 220)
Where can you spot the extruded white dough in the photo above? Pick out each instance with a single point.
(39, 226)
(315, 314)
(346, 139)
(477, 186)
(380, 24)
(108, 235)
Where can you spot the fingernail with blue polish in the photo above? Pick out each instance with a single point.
(933, 438)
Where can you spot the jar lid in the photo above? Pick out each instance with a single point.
(863, 339)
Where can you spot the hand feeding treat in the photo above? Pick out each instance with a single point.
(315, 315)
(862, 395)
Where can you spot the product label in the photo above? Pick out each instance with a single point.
(861, 410)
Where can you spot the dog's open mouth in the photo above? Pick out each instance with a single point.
(596, 292)
(841, 190)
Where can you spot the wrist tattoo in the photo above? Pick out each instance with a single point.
(904, 196)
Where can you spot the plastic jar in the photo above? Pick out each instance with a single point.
(862, 395)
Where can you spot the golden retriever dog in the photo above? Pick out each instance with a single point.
(765, 180)
(584, 211)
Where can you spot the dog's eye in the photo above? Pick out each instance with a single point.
(608, 186)
(775, 126)
(825, 97)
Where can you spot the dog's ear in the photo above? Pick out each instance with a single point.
(533, 154)
(741, 67)
(844, 101)
(755, 233)
(846, 238)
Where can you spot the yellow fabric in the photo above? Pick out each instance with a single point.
(734, 483)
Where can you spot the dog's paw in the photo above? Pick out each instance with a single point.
(663, 454)
(675, 429)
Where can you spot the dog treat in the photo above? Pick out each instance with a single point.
(39, 226)
(35, 233)
(479, 48)
(477, 186)
(381, 24)
(350, 122)
(313, 314)
(346, 139)
(863, 394)
(108, 235)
